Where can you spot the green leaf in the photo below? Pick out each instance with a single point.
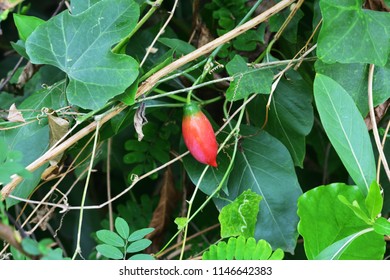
(139, 234)
(350, 34)
(239, 217)
(240, 248)
(246, 81)
(353, 77)
(291, 30)
(122, 227)
(290, 118)
(110, 238)
(109, 251)
(10, 164)
(180, 47)
(342, 123)
(374, 200)
(382, 226)
(26, 25)
(138, 245)
(142, 257)
(355, 207)
(324, 220)
(336, 250)
(181, 222)
(79, 6)
(264, 166)
(80, 46)
(30, 246)
(32, 139)
(134, 157)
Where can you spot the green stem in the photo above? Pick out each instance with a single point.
(176, 97)
(119, 47)
(78, 246)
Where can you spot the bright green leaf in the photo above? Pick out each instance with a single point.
(110, 238)
(350, 34)
(109, 251)
(342, 123)
(122, 227)
(374, 200)
(138, 245)
(239, 217)
(26, 25)
(247, 81)
(181, 222)
(382, 226)
(139, 234)
(336, 250)
(278, 254)
(264, 166)
(324, 220)
(80, 46)
(355, 207)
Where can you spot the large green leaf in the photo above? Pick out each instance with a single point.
(346, 130)
(290, 117)
(80, 46)
(32, 139)
(79, 6)
(264, 166)
(350, 34)
(353, 78)
(247, 81)
(324, 220)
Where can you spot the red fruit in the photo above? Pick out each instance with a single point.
(199, 135)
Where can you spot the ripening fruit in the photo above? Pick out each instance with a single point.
(199, 135)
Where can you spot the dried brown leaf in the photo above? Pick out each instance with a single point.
(162, 213)
(379, 112)
(14, 115)
(58, 128)
(140, 120)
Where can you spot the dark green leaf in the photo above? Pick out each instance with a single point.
(180, 47)
(246, 81)
(138, 245)
(79, 6)
(264, 166)
(110, 238)
(80, 46)
(239, 217)
(10, 164)
(353, 78)
(290, 118)
(324, 220)
(134, 157)
(32, 139)
(139, 234)
(382, 226)
(342, 123)
(26, 25)
(350, 34)
(109, 251)
(122, 227)
(291, 30)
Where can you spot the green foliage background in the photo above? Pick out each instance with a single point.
(297, 174)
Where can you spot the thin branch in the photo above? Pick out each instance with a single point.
(382, 156)
(162, 30)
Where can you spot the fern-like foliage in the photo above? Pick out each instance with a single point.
(240, 248)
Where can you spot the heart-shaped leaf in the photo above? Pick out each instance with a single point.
(80, 46)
